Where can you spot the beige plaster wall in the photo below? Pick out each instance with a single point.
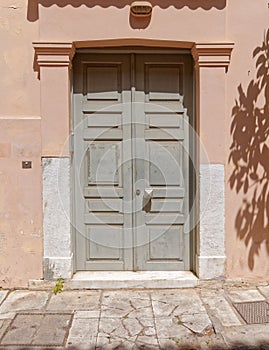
(20, 202)
(19, 84)
(23, 21)
(20, 139)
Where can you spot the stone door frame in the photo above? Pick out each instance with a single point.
(55, 63)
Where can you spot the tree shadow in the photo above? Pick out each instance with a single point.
(249, 154)
(32, 12)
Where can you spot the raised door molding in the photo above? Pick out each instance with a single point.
(212, 54)
(54, 54)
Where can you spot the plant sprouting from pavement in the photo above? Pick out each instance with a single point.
(59, 285)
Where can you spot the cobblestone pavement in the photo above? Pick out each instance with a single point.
(198, 318)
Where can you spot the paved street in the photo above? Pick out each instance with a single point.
(197, 318)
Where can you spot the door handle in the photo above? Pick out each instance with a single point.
(148, 193)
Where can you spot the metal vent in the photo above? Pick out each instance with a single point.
(253, 312)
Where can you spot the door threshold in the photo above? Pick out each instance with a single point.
(134, 280)
(123, 280)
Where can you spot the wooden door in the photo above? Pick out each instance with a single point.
(131, 162)
(160, 164)
(102, 163)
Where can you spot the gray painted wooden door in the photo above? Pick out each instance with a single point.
(130, 162)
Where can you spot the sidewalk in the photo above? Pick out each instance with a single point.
(212, 316)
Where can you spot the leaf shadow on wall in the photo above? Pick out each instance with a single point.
(249, 154)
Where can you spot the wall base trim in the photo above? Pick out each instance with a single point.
(210, 267)
(55, 267)
(58, 248)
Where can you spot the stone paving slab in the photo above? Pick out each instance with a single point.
(176, 303)
(83, 333)
(128, 304)
(22, 330)
(168, 328)
(141, 342)
(242, 296)
(4, 324)
(87, 314)
(147, 341)
(22, 300)
(248, 335)
(199, 324)
(219, 310)
(37, 329)
(105, 343)
(215, 342)
(79, 300)
(7, 315)
(125, 328)
(3, 294)
(264, 290)
(200, 318)
(53, 329)
(176, 343)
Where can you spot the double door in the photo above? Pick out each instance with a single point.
(131, 162)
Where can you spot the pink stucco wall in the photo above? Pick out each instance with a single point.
(20, 201)
(20, 139)
(24, 21)
(248, 238)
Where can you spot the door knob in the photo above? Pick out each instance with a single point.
(137, 192)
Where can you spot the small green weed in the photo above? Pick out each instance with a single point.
(59, 285)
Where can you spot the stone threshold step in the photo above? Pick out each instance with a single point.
(124, 279)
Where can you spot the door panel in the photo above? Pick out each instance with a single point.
(102, 124)
(131, 162)
(162, 141)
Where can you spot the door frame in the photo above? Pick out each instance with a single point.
(54, 61)
(191, 140)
